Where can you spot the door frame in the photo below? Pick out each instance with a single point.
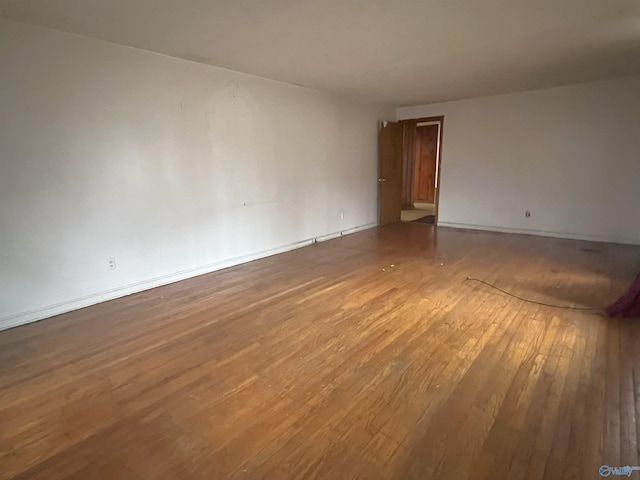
(407, 164)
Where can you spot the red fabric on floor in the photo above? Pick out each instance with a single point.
(629, 304)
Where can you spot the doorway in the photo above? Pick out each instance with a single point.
(410, 165)
(421, 162)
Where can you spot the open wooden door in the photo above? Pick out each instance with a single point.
(390, 172)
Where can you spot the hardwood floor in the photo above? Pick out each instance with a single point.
(367, 356)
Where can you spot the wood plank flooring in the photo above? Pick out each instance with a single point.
(368, 356)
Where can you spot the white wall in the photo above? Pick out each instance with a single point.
(570, 155)
(171, 167)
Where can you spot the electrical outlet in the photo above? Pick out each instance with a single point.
(527, 214)
(111, 263)
(341, 215)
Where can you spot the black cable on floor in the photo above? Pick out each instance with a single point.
(568, 307)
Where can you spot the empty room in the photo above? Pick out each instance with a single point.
(277, 239)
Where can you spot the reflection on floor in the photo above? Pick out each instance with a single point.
(419, 213)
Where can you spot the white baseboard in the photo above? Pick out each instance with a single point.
(541, 233)
(77, 303)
